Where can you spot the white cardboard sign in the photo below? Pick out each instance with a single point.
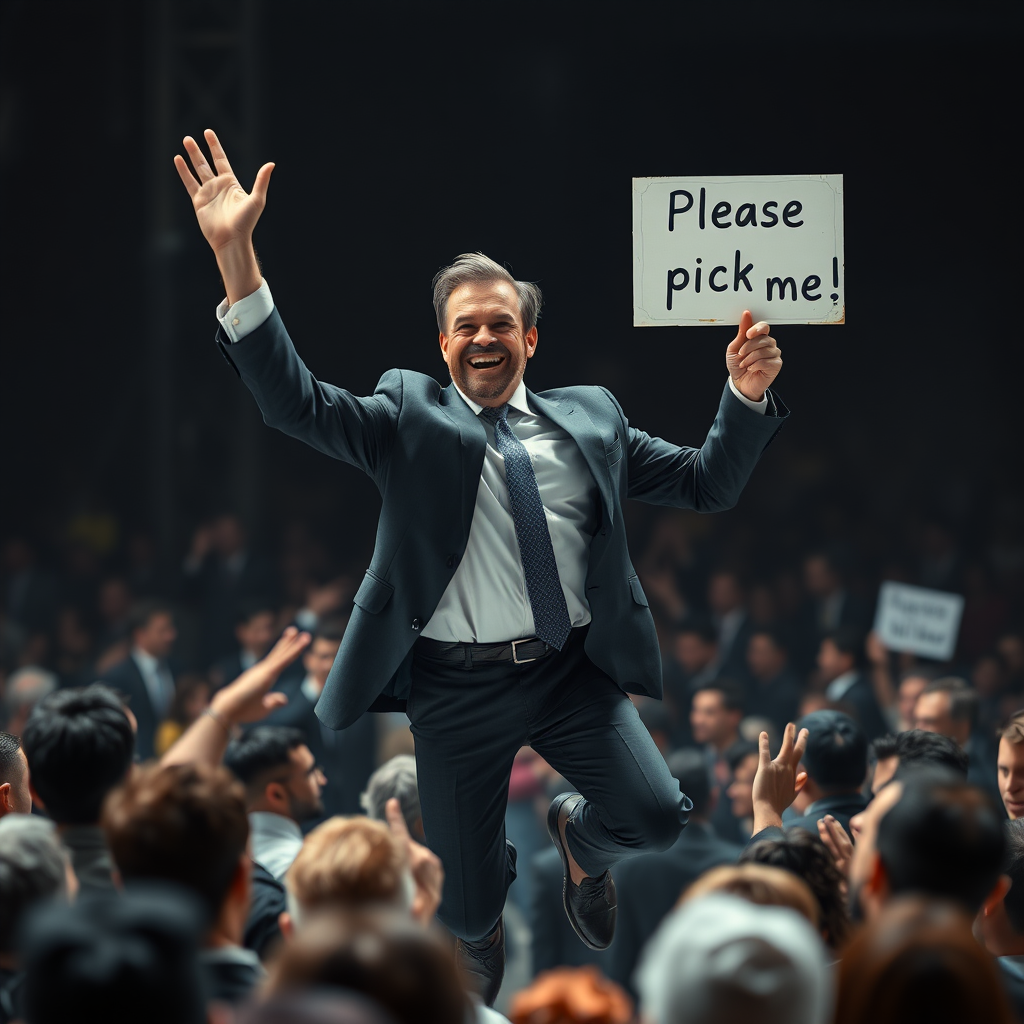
(705, 249)
(918, 620)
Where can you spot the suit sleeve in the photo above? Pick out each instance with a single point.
(709, 478)
(356, 430)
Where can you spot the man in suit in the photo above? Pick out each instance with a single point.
(255, 633)
(649, 886)
(841, 661)
(145, 677)
(501, 541)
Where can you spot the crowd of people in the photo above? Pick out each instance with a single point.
(179, 833)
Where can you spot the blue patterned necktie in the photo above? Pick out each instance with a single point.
(543, 587)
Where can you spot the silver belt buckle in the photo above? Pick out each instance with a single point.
(516, 660)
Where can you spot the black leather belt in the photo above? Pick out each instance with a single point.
(518, 652)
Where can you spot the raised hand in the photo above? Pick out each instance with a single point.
(753, 358)
(226, 213)
(777, 782)
(425, 866)
(837, 842)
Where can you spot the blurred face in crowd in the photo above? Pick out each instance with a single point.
(228, 536)
(319, 658)
(257, 634)
(932, 712)
(157, 636)
(302, 785)
(741, 791)
(820, 578)
(724, 593)
(711, 721)
(832, 661)
(693, 652)
(865, 899)
(15, 797)
(910, 689)
(1010, 773)
(765, 659)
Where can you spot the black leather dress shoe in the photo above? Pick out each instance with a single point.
(483, 963)
(591, 906)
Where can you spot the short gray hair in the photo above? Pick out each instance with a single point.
(475, 267)
(395, 778)
(33, 867)
(27, 687)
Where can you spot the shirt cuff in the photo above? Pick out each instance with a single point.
(246, 314)
(761, 407)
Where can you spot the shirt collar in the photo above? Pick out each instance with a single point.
(517, 401)
(146, 662)
(267, 823)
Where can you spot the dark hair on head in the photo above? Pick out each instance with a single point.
(804, 855)
(330, 629)
(251, 607)
(921, 670)
(11, 765)
(836, 757)
(848, 640)
(79, 745)
(1013, 868)
(385, 956)
(738, 751)
(690, 769)
(944, 838)
(882, 748)
(775, 634)
(963, 698)
(143, 612)
(732, 693)
(699, 626)
(185, 824)
(917, 748)
(261, 753)
(476, 268)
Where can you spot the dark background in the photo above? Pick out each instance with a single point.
(407, 133)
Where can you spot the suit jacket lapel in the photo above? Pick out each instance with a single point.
(573, 419)
(473, 440)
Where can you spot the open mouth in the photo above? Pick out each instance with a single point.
(485, 362)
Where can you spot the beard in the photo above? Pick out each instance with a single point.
(302, 810)
(486, 386)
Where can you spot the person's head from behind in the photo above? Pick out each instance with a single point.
(116, 959)
(279, 772)
(318, 1006)
(947, 706)
(1000, 922)
(395, 779)
(349, 863)
(766, 655)
(33, 870)
(381, 954)
(841, 652)
(488, 326)
(690, 769)
(322, 650)
(721, 957)
(695, 644)
(716, 712)
(24, 689)
(918, 961)
(836, 757)
(914, 748)
(1010, 766)
(743, 763)
(151, 628)
(763, 884)
(572, 995)
(15, 796)
(187, 825)
(804, 856)
(256, 628)
(79, 745)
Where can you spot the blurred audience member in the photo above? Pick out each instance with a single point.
(317, 1006)
(727, 601)
(774, 690)
(191, 698)
(27, 592)
(914, 747)
(841, 663)
(145, 676)
(722, 958)
(186, 825)
(79, 746)
(757, 883)
(715, 715)
(33, 870)
(1010, 766)
(24, 690)
(649, 886)
(912, 683)
(1000, 922)
(255, 633)
(580, 995)
(282, 790)
(384, 956)
(831, 606)
(15, 795)
(918, 961)
(692, 661)
(395, 780)
(116, 960)
(743, 762)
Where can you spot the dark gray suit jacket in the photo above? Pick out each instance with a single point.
(424, 448)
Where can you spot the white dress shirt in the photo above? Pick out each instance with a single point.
(274, 841)
(486, 600)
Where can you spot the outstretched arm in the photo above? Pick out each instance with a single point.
(227, 214)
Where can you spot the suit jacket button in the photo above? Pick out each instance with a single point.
(415, 624)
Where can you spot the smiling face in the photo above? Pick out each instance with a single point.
(486, 346)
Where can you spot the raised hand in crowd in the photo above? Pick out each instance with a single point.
(248, 699)
(777, 781)
(425, 866)
(837, 842)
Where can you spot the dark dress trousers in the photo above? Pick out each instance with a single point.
(423, 447)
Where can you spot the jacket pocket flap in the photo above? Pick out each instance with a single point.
(637, 591)
(373, 594)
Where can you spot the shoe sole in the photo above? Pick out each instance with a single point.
(553, 812)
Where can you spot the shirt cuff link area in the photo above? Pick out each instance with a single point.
(246, 314)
